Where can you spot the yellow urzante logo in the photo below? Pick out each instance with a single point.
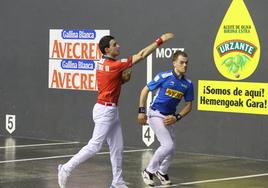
(174, 93)
(237, 47)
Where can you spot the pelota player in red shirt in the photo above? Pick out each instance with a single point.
(111, 74)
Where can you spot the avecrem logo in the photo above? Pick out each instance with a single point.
(73, 55)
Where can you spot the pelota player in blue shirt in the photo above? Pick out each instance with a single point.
(171, 87)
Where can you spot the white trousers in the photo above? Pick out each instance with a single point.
(107, 127)
(167, 137)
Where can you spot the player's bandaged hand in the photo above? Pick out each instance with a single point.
(169, 120)
(142, 119)
(126, 75)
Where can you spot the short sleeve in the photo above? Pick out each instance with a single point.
(123, 64)
(155, 83)
(189, 94)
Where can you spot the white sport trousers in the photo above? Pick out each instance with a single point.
(107, 127)
(167, 137)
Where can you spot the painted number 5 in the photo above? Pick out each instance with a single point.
(10, 123)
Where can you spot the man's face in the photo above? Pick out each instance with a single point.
(180, 64)
(113, 50)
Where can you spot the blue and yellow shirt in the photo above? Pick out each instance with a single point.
(170, 91)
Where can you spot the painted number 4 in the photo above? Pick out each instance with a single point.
(10, 123)
(147, 135)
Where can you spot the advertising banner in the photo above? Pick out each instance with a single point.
(73, 55)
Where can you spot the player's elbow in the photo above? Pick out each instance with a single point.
(145, 90)
(189, 107)
(126, 75)
(136, 58)
(125, 79)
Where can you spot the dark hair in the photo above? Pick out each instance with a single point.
(177, 54)
(105, 43)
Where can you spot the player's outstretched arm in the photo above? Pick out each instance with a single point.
(149, 49)
(142, 118)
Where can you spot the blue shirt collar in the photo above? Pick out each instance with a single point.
(176, 76)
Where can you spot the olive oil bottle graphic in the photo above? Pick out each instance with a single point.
(237, 48)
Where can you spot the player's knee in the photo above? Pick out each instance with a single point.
(168, 148)
(119, 149)
(94, 146)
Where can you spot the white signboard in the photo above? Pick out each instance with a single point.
(73, 55)
(10, 123)
(147, 135)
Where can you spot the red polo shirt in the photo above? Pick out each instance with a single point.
(109, 81)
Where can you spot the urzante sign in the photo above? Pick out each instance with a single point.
(237, 47)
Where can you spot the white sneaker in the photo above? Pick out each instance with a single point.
(119, 186)
(62, 176)
(148, 178)
(163, 178)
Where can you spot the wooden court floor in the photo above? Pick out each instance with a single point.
(32, 163)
